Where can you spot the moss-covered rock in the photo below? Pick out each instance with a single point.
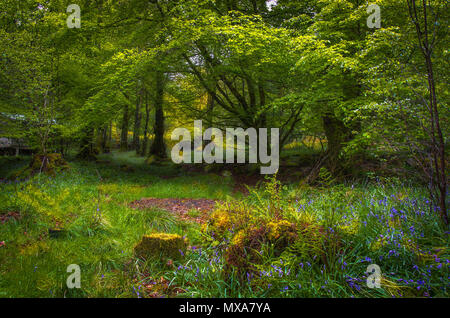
(161, 245)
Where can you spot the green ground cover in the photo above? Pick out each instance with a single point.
(280, 241)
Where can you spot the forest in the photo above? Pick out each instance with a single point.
(224, 148)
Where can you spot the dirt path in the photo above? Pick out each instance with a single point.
(194, 210)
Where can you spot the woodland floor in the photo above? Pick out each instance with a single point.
(105, 208)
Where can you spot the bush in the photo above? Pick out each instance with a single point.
(251, 234)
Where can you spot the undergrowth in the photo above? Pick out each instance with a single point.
(280, 241)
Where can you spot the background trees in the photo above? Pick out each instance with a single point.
(405, 68)
(137, 68)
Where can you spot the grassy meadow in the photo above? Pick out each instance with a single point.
(281, 240)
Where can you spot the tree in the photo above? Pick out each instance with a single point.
(426, 36)
(158, 147)
(402, 109)
(240, 63)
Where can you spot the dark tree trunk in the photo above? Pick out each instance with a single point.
(110, 142)
(147, 119)
(105, 145)
(124, 132)
(158, 147)
(137, 122)
(87, 149)
(262, 103)
(209, 116)
(210, 110)
(438, 149)
(337, 134)
(437, 153)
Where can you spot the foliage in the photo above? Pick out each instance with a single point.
(358, 109)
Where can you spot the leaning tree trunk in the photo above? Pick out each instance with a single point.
(337, 134)
(437, 152)
(124, 132)
(158, 147)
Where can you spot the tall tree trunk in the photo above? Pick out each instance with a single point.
(438, 149)
(158, 147)
(104, 139)
(209, 116)
(124, 132)
(436, 136)
(210, 110)
(147, 119)
(137, 122)
(262, 103)
(110, 143)
(87, 149)
(61, 147)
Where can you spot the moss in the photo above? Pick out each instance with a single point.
(161, 244)
(49, 164)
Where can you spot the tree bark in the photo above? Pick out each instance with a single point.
(137, 122)
(437, 151)
(337, 133)
(147, 119)
(124, 132)
(87, 150)
(158, 147)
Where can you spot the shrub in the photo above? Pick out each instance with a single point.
(281, 233)
(227, 219)
(247, 246)
(263, 227)
(244, 252)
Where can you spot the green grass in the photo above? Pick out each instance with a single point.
(101, 242)
(10, 164)
(414, 256)
(101, 231)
